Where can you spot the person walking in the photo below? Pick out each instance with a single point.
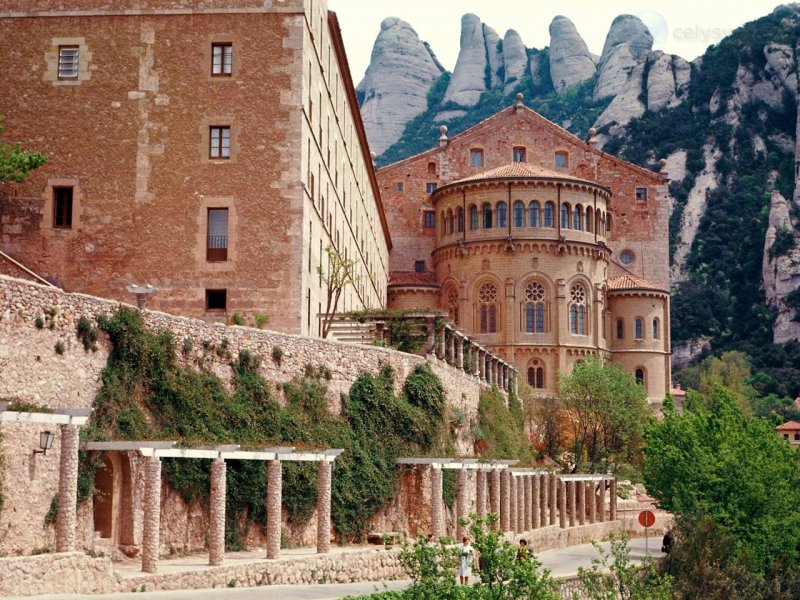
(465, 569)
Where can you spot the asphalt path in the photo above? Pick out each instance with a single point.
(561, 562)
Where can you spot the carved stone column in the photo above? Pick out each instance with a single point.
(461, 503)
(612, 501)
(451, 348)
(562, 504)
(571, 502)
(324, 506)
(437, 510)
(581, 494)
(505, 500)
(601, 502)
(512, 490)
(480, 492)
(274, 501)
(482, 365)
(460, 352)
(66, 517)
(590, 500)
(495, 494)
(151, 522)
(442, 343)
(216, 513)
(536, 510)
(528, 524)
(521, 484)
(553, 507)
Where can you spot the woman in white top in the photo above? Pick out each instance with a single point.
(465, 570)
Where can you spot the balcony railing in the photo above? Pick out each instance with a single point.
(217, 248)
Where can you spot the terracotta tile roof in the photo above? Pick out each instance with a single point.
(427, 279)
(788, 426)
(631, 282)
(518, 169)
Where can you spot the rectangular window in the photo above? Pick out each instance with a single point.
(217, 239)
(797, 436)
(562, 160)
(62, 207)
(429, 219)
(641, 194)
(68, 60)
(519, 154)
(419, 266)
(221, 60)
(216, 300)
(476, 157)
(398, 187)
(431, 187)
(219, 142)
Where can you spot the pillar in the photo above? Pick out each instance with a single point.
(480, 492)
(581, 493)
(475, 356)
(495, 495)
(437, 510)
(553, 498)
(482, 365)
(151, 521)
(528, 524)
(324, 506)
(461, 503)
(562, 503)
(601, 501)
(443, 343)
(536, 511)
(521, 483)
(571, 502)
(431, 324)
(505, 377)
(66, 517)
(512, 491)
(493, 367)
(451, 348)
(612, 501)
(544, 496)
(460, 352)
(590, 500)
(505, 500)
(216, 513)
(274, 500)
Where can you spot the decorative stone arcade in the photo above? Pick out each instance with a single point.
(69, 421)
(155, 451)
(523, 499)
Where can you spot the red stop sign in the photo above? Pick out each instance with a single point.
(647, 518)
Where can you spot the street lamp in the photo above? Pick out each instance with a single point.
(45, 442)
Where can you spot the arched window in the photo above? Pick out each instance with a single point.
(640, 376)
(608, 222)
(620, 329)
(460, 219)
(577, 217)
(488, 301)
(589, 219)
(534, 218)
(534, 307)
(656, 329)
(639, 328)
(577, 309)
(565, 216)
(450, 222)
(501, 215)
(536, 375)
(549, 214)
(450, 302)
(486, 209)
(519, 214)
(473, 217)
(443, 219)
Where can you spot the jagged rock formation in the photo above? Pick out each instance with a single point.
(468, 81)
(627, 104)
(780, 61)
(494, 52)
(668, 79)
(780, 273)
(395, 87)
(515, 60)
(627, 45)
(570, 60)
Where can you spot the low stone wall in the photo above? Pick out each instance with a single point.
(64, 573)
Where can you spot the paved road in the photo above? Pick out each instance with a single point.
(561, 562)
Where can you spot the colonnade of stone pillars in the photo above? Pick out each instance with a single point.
(66, 517)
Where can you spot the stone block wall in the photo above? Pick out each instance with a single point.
(31, 370)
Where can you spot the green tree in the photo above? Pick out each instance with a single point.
(340, 273)
(606, 409)
(15, 163)
(717, 462)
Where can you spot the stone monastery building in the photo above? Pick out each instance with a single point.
(214, 151)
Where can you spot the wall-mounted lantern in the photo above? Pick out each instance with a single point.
(45, 441)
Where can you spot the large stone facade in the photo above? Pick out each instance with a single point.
(537, 244)
(135, 140)
(32, 371)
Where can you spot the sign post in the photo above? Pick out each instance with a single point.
(646, 519)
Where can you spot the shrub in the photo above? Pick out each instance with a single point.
(39, 323)
(277, 355)
(237, 318)
(261, 320)
(59, 347)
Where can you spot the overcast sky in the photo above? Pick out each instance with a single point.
(678, 26)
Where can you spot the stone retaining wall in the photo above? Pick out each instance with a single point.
(64, 573)
(32, 370)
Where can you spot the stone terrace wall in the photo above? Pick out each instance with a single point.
(31, 370)
(63, 573)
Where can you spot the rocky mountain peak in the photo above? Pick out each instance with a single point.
(395, 87)
(627, 45)
(469, 79)
(570, 60)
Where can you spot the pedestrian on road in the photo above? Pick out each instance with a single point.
(465, 553)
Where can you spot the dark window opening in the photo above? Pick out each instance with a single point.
(216, 299)
(419, 266)
(641, 194)
(431, 168)
(429, 219)
(431, 187)
(519, 154)
(62, 207)
(217, 239)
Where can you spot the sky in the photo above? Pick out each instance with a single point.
(678, 26)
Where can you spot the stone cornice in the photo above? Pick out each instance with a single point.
(565, 182)
(501, 245)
